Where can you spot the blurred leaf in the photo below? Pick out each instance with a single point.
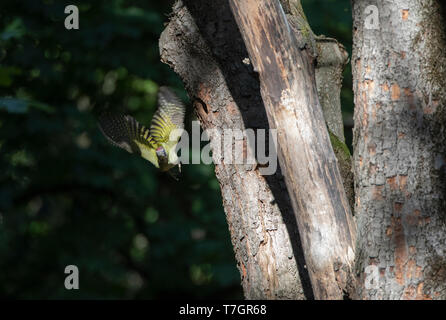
(15, 29)
(13, 105)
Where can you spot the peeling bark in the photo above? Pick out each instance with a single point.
(399, 72)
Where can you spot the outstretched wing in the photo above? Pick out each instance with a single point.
(168, 116)
(125, 132)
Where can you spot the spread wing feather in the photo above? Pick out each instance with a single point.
(125, 132)
(168, 116)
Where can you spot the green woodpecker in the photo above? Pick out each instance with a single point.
(155, 144)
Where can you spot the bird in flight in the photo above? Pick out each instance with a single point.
(156, 144)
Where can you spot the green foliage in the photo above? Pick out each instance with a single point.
(66, 195)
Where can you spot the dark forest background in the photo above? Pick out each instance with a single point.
(68, 197)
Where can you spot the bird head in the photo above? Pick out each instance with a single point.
(161, 154)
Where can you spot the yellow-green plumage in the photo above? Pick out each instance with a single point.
(125, 132)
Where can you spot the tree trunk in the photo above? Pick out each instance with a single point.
(203, 45)
(399, 141)
(288, 88)
(215, 48)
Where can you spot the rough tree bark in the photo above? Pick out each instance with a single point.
(208, 57)
(399, 71)
(288, 89)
